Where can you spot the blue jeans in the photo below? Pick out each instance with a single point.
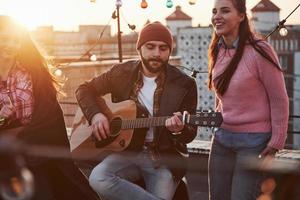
(113, 177)
(228, 177)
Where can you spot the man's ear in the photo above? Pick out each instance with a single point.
(139, 51)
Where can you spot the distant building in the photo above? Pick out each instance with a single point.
(296, 95)
(178, 19)
(108, 47)
(265, 15)
(71, 45)
(64, 46)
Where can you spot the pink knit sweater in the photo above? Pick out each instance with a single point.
(256, 99)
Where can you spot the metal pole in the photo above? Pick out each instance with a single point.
(119, 35)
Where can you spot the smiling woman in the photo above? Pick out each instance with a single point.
(239, 61)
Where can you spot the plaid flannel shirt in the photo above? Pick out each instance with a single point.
(17, 91)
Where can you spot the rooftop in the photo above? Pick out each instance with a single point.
(178, 14)
(265, 6)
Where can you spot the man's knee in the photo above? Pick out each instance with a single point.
(100, 178)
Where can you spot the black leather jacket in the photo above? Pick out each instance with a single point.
(179, 94)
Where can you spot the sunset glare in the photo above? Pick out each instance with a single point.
(68, 14)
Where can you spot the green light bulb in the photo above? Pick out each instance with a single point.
(169, 4)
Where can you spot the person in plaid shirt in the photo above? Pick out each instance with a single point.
(28, 99)
(16, 96)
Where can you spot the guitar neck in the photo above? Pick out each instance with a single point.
(144, 122)
(213, 119)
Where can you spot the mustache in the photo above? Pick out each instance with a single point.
(156, 60)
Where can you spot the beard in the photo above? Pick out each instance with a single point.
(152, 69)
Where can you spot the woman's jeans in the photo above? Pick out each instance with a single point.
(228, 177)
(113, 178)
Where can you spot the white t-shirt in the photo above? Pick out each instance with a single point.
(145, 97)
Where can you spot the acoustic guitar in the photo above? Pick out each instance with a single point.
(123, 121)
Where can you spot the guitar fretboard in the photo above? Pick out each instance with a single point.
(144, 122)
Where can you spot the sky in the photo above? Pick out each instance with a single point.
(66, 15)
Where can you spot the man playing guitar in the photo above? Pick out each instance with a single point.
(159, 89)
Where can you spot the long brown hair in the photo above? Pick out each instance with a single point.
(44, 85)
(245, 36)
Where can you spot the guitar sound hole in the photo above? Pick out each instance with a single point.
(115, 126)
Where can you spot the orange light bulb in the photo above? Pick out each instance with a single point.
(144, 4)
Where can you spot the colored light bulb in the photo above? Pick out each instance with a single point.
(192, 2)
(283, 31)
(118, 3)
(144, 4)
(169, 4)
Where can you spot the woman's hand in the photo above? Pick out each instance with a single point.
(267, 156)
(268, 151)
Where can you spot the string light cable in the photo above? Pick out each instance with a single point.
(130, 26)
(281, 23)
(114, 16)
(193, 71)
(91, 48)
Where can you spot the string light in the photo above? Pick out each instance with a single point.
(280, 25)
(144, 4)
(93, 58)
(283, 31)
(118, 3)
(19, 186)
(132, 26)
(114, 15)
(169, 4)
(58, 72)
(192, 2)
(193, 71)
(16, 181)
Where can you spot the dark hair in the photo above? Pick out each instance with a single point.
(31, 59)
(245, 36)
